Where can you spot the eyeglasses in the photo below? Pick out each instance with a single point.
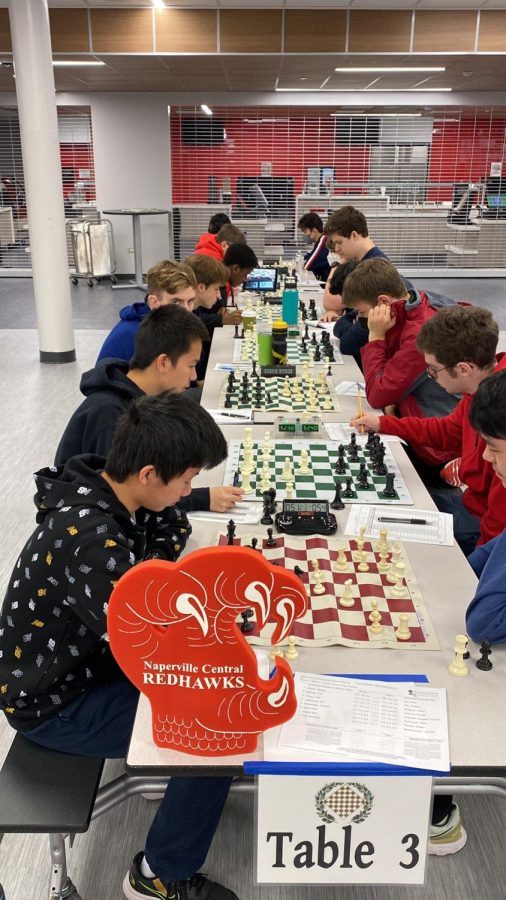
(432, 372)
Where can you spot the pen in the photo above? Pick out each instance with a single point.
(235, 415)
(402, 521)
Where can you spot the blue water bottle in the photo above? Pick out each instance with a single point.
(290, 306)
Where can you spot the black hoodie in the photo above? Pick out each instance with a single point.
(108, 393)
(53, 627)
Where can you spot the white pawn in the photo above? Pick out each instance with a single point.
(402, 632)
(275, 651)
(347, 598)
(286, 387)
(292, 652)
(383, 565)
(375, 618)
(458, 666)
(318, 577)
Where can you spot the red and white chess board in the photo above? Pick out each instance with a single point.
(326, 621)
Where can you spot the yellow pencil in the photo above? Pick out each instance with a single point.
(360, 410)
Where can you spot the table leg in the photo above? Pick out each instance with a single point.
(136, 219)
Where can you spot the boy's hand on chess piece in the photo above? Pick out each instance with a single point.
(222, 499)
(380, 320)
(366, 422)
(231, 315)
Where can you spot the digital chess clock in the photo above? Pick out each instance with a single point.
(306, 517)
(298, 426)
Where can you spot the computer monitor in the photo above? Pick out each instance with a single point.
(496, 201)
(261, 280)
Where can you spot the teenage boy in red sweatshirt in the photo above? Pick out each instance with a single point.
(459, 346)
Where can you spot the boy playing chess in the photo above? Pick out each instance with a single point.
(459, 346)
(486, 616)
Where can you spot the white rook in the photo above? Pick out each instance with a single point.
(31, 44)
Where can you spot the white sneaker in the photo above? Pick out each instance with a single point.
(448, 836)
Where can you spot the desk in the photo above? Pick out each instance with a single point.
(136, 224)
(476, 704)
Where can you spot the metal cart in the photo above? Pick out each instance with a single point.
(93, 249)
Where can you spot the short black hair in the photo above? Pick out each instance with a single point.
(169, 431)
(488, 407)
(339, 276)
(310, 220)
(216, 221)
(241, 255)
(169, 329)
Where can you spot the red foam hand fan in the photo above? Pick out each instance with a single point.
(172, 629)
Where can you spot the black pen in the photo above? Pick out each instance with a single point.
(403, 521)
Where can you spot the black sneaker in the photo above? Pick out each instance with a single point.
(137, 887)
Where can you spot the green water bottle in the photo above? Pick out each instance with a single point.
(264, 341)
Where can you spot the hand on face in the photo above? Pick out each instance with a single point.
(380, 320)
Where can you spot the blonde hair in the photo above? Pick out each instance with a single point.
(207, 270)
(170, 277)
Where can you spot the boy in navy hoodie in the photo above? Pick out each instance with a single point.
(168, 283)
(60, 685)
(316, 259)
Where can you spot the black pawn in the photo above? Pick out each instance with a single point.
(484, 663)
(317, 355)
(348, 491)
(329, 371)
(337, 503)
(272, 497)
(254, 542)
(271, 542)
(389, 490)
(236, 331)
(306, 333)
(298, 571)
(254, 371)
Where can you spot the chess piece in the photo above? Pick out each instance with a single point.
(246, 485)
(289, 490)
(399, 589)
(337, 502)
(483, 662)
(236, 331)
(318, 577)
(287, 471)
(383, 565)
(341, 563)
(254, 542)
(230, 533)
(271, 542)
(389, 489)
(375, 618)
(266, 518)
(292, 652)
(402, 632)
(458, 666)
(346, 599)
(348, 491)
(304, 463)
(298, 571)
(272, 495)
(275, 651)
(394, 559)
(246, 626)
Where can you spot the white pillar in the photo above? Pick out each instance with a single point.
(31, 44)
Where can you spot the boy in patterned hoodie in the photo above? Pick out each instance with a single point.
(59, 683)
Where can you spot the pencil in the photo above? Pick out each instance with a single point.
(360, 410)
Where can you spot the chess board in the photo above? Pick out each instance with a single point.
(272, 397)
(326, 622)
(320, 482)
(246, 351)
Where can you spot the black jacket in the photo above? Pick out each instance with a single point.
(53, 627)
(108, 392)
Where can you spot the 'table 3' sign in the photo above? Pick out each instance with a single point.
(332, 830)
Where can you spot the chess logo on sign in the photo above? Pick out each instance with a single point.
(344, 801)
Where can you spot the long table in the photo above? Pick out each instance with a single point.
(476, 704)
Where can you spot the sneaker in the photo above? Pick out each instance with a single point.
(448, 836)
(137, 887)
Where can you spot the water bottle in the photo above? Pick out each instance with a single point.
(279, 343)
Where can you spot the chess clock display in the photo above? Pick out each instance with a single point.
(306, 517)
(298, 426)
